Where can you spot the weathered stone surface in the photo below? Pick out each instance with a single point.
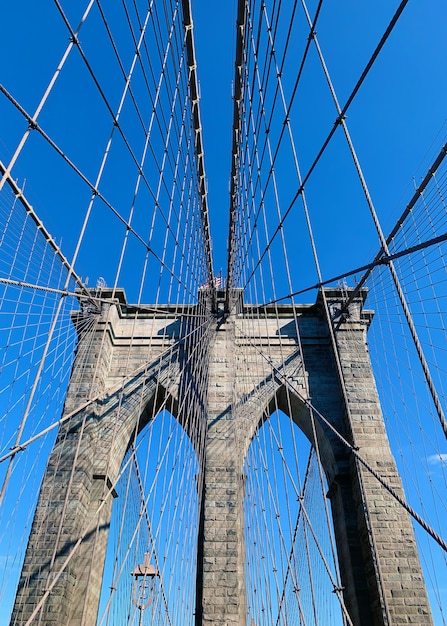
(255, 364)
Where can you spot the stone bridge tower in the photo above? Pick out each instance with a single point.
(380, 570)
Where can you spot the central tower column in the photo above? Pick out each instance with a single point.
(221, 581)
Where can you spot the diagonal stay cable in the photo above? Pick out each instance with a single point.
(383, 259)
(337, 589)
(92, 187)
(91, 525)
(188, 25)
(6, 173)
(286, 122)
(396, 280)
(76, 42)
(145, 368)
(293, 542)
(433, 534)
(145, 512)
(261, 150)
(88, 528)
(337, 123)
(289, 384)
(115, 118)
(238, 98)
(39, 224)
(381, 255)
(95, 299)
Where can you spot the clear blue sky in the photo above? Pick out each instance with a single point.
(394, 120)
(398, 118)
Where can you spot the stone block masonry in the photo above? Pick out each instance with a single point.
(257, 362)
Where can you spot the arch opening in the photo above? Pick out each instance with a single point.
(291, 569)
(156, 514)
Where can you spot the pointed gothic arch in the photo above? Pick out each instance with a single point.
(164, 372)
